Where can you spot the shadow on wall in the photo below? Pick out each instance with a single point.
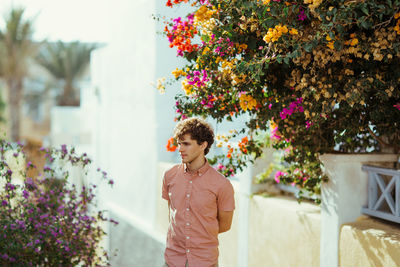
(133, 247)
(380, 244)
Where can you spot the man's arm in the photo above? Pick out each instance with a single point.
(169, 211)
(224, 220)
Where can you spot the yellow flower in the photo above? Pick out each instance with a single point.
(397, 15)
(205, 51)
(203, 14)
(247, 102)
(160, 85)
(275, 33)
(293, 31)
(177, 73)
(187, 87)
(331, 45)
(354, 42)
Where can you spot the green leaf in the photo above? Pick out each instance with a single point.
(205, 38)
(286, 60)
(308, 47)
(365, 10)
(286, 11)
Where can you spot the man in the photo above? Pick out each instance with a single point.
(200, 200)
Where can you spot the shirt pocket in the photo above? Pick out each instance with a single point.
(206, 203)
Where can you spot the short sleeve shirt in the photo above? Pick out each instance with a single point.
(195, 200)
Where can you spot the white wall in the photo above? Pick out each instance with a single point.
(124, 137)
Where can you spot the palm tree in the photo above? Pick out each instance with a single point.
(67, 63)
(16, 48)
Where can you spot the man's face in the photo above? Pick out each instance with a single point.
(189, 149)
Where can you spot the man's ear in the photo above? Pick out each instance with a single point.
(204, 145)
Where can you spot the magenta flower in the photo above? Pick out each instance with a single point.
(294, 107)
(308, 124)
(302, 16)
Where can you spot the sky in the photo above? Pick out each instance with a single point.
(66, 20)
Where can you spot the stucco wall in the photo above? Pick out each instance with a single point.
(283, 233)
(369, 242)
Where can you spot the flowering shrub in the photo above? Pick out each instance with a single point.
(319, 76)
(44, 220)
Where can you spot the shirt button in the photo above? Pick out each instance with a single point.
(187, 209)
(188, 195)
(188, 224)
(190, 182)
(187, 237)
(199, 174)
(188, 250)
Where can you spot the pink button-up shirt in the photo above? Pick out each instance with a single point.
(195, 200)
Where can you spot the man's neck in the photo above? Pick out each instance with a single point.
(196, 164)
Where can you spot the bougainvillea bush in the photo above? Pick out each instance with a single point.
(45, 220)
(318, 76)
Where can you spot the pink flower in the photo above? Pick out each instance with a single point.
(397, 106)
(278, 176)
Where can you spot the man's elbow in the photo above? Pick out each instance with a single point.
(224, 229)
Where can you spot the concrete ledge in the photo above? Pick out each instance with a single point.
(369, 242)
(283, 232)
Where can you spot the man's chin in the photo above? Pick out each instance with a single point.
(185, 160)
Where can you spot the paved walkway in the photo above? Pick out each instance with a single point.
(134, 248)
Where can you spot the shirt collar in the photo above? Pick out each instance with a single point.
(200, 171)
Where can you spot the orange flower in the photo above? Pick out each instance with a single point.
(243, 143)
(171, 147)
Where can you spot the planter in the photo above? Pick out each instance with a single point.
(344, 196)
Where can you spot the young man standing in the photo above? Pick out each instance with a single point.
(200, 200)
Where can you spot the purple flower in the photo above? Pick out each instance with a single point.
(4, 203)
(10, 186)
(25, 194)
(47, 168)
(44, 216)
(64, 149)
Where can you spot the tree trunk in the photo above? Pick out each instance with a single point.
(68, 97)
(14, 99)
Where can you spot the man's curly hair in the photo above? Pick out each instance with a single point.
(198, 129)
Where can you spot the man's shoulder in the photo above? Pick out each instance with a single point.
(216, 175)
(172, 171)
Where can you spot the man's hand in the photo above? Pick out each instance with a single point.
(224, 220)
